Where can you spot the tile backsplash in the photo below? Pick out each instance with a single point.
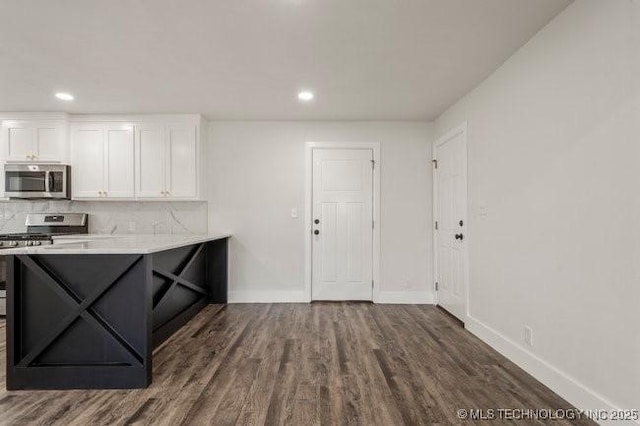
(114, 217)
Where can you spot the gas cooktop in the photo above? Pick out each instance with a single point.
(41, 227)
(25, 236)
(26, 239)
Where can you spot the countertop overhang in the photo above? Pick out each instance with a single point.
(116, 244)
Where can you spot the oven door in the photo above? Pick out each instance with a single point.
(36, 181)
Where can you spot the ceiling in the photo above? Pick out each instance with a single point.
(247, 59)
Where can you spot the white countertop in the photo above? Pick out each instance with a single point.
(116, 244)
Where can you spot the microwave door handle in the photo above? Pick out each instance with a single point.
(47, 181)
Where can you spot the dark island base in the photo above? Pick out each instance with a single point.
(92, 321)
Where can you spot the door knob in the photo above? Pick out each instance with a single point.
(317, 221)
(316, 232)
(459, 237)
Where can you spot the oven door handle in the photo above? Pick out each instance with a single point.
(47, 181)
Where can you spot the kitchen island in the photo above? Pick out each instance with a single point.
(88, 311)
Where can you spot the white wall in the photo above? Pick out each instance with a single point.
(256, 176)
(554, 154)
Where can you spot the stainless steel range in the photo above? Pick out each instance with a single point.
(41, 228)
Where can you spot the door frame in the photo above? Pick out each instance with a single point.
(460, 129)
(308, 209)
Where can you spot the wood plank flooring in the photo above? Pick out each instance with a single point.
(302, 364)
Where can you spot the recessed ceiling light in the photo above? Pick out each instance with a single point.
(64, 96)
(305, 95)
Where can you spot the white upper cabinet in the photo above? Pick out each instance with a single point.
(35, 141)
(87, 161)
(143, 157)
(150, 161)
(119, 164)
(167, 164)
(102, 161)
(19, 142)
(182, 162)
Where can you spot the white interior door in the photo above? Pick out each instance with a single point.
(342, 224)
(450, 192)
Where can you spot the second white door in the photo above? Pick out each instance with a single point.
(342, 224)
(450, 178)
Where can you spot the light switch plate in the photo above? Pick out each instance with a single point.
(294, 213)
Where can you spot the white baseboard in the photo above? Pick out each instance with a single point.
(252, 296)
(561, 383)
(405, 298)
(391, 297)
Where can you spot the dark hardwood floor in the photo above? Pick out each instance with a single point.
(299, 364)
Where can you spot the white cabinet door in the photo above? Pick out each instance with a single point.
(150, 161)
(49, 142)
(119, 165)
(88, 161)
(182, 162)
(18, 139)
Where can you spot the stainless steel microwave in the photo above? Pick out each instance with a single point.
(37, 181)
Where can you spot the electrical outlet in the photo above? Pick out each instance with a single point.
(528, 335)
(294, 213)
